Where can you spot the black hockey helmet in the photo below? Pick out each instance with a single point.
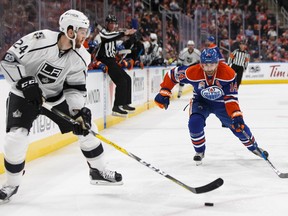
(111, 18)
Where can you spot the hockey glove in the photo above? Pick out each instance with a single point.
(92, 45)
(83, 117)
(237, 121)
(102, 66)
(162, 99)
(31, 91)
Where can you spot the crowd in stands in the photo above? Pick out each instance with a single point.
(15, 23)
(267, 39)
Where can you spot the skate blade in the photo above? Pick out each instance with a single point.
(105, 183)
(119, 115)
(130, 111)
(198, 163)
(2, 202)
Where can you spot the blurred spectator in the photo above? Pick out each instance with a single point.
(272, 34)
(136, 46)
(139, 6)
(174, 6)
(249, 32)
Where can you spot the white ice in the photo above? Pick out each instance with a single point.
(58, 183)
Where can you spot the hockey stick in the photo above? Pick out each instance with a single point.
(197, 190)
(98, 26)
(125, 54)
(280, 174)
(124, 51)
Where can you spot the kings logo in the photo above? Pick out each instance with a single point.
(48, 73)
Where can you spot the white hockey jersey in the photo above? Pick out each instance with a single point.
(186, 58)
(61, 75)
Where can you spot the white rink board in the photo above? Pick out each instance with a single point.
(100, 98)
(266, 71)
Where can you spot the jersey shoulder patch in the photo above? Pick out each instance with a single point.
(195, 72)
(224, 72)
(33, 41)
(39, 35)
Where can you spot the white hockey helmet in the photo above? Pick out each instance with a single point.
(190, 42)
(153, 36)
(76, 19)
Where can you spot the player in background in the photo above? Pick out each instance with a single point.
(188, 56)
(238, 60)
(215, 92)
(50, 66)
(153, 54)
(210, 43)
(107, 38)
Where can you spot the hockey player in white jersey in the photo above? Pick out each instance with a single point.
(188, 56)
(50, 66)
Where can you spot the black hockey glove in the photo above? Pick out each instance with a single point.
(83, 117)
(31, 91)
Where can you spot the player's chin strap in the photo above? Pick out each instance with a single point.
(73, 40)
(280, 174)
(203, 189)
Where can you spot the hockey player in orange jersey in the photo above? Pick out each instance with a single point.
(215, 92)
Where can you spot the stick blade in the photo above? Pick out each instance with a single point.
(283, 175)
(209, 187)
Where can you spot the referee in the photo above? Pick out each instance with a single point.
(238, 61)
(107, 55)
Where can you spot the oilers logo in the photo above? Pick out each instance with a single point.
(212, 93)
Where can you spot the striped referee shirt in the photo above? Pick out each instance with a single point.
(107, 41)
(239, 58)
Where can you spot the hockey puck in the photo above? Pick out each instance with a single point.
(209, 204)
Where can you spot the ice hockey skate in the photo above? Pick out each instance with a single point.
(180, 90)
(117, 111)
(179, 93)
(261, 153)
(198, 158)
(6, 192)
(128, 108)
(105, 177)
